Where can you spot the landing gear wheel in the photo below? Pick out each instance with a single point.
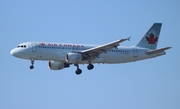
(78, 71)
(90, 66)
(32, 64)
(31, 67)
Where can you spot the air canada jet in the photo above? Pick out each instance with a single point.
(62, 55)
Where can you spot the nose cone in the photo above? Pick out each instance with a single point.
(13, 52)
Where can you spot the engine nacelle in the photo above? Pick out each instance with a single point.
(73, 58)
(54, 65)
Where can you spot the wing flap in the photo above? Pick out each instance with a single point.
(157, 50)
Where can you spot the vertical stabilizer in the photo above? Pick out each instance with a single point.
(150, 39)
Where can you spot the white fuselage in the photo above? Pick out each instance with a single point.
(57, 52)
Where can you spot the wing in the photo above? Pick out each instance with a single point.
(96, 51)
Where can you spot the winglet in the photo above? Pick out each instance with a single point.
(122, 40)
(128, 38)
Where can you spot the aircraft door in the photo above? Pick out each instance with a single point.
(34, 47)
(135, 52)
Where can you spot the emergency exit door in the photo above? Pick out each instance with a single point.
(135, 52)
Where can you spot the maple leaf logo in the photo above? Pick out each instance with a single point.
(151, 39)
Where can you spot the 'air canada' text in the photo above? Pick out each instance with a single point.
(62, 45)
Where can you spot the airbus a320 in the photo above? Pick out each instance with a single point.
(62, 55)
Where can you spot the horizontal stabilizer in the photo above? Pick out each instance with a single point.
(157, 50)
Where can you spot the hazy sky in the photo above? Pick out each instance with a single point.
(148, 84)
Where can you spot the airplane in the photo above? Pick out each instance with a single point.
(62, 55)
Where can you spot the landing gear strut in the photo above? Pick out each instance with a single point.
(78, 70)
(32, 64)
(90, 66)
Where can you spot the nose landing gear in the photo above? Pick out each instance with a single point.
(32, 64)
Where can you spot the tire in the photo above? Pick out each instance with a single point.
(31, 67)
(78, 71)
(90, 66)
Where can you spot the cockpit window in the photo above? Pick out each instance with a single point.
(22, 46)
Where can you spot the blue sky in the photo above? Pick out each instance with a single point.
(148, 84)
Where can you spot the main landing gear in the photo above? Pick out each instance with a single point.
(79, 71)
(90, 67)
(32, 64)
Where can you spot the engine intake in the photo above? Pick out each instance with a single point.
(54, 65)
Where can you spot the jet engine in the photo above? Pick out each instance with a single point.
(73, 58)
(54, 65)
